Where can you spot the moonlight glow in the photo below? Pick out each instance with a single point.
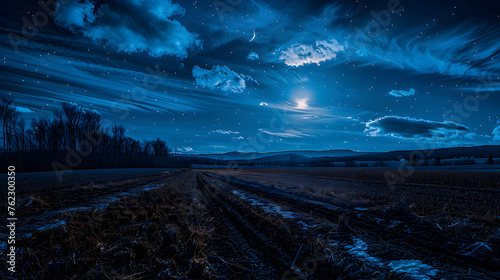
(302, 104)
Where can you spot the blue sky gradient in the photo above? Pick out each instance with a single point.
(360, 75)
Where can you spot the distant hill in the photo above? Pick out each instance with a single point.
(281, 159)
(327, 157)
(443, 153)
(300, 153)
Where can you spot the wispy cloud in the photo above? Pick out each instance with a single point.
(111, 88)
(401, 93)
(226, 132)
(287, 133)
(448, 54)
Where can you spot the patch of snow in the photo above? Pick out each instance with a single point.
(267, 207)
(359, 250)
(414, 269)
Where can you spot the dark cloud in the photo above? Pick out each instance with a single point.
(74, 14)
(130, 25)
(406, 127)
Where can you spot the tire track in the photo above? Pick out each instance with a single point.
(43, 218)
(246, 234)
(424, 240)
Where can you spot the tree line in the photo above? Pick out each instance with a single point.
(73, 131)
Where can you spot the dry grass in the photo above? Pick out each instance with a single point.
(160, 227)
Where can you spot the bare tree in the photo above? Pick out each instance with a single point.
(70, 125)
(20, 134)
(9, 116)
(118, 136)
(40, 130)
(73, 114)
(6, 112)
(55, 134)
(160, 147)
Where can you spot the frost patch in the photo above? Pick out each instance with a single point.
(359, 250)
(267, 207)
(414, 269)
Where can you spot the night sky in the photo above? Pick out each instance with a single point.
(233, 75)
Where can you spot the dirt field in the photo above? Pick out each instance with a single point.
(264, 224)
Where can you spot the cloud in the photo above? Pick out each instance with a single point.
(286, 133)
(130, 25)
(470, 135)
(23, 109)
(299, 54)
(253, 56)
(73, 14)
(226, 132)
(263, 104)
(496, 133)
(406, 127)
(185, 150)
(401, 93)
(221, 78)
(447, 54)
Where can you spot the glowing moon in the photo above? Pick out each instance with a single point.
(301, 103)
(253, 36)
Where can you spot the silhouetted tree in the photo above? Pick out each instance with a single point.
(8, 115)
(55, 134)
(73, 115)
(73, 129)
(5, 112)
(40, 129)
(118, 136)
(160, 147)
